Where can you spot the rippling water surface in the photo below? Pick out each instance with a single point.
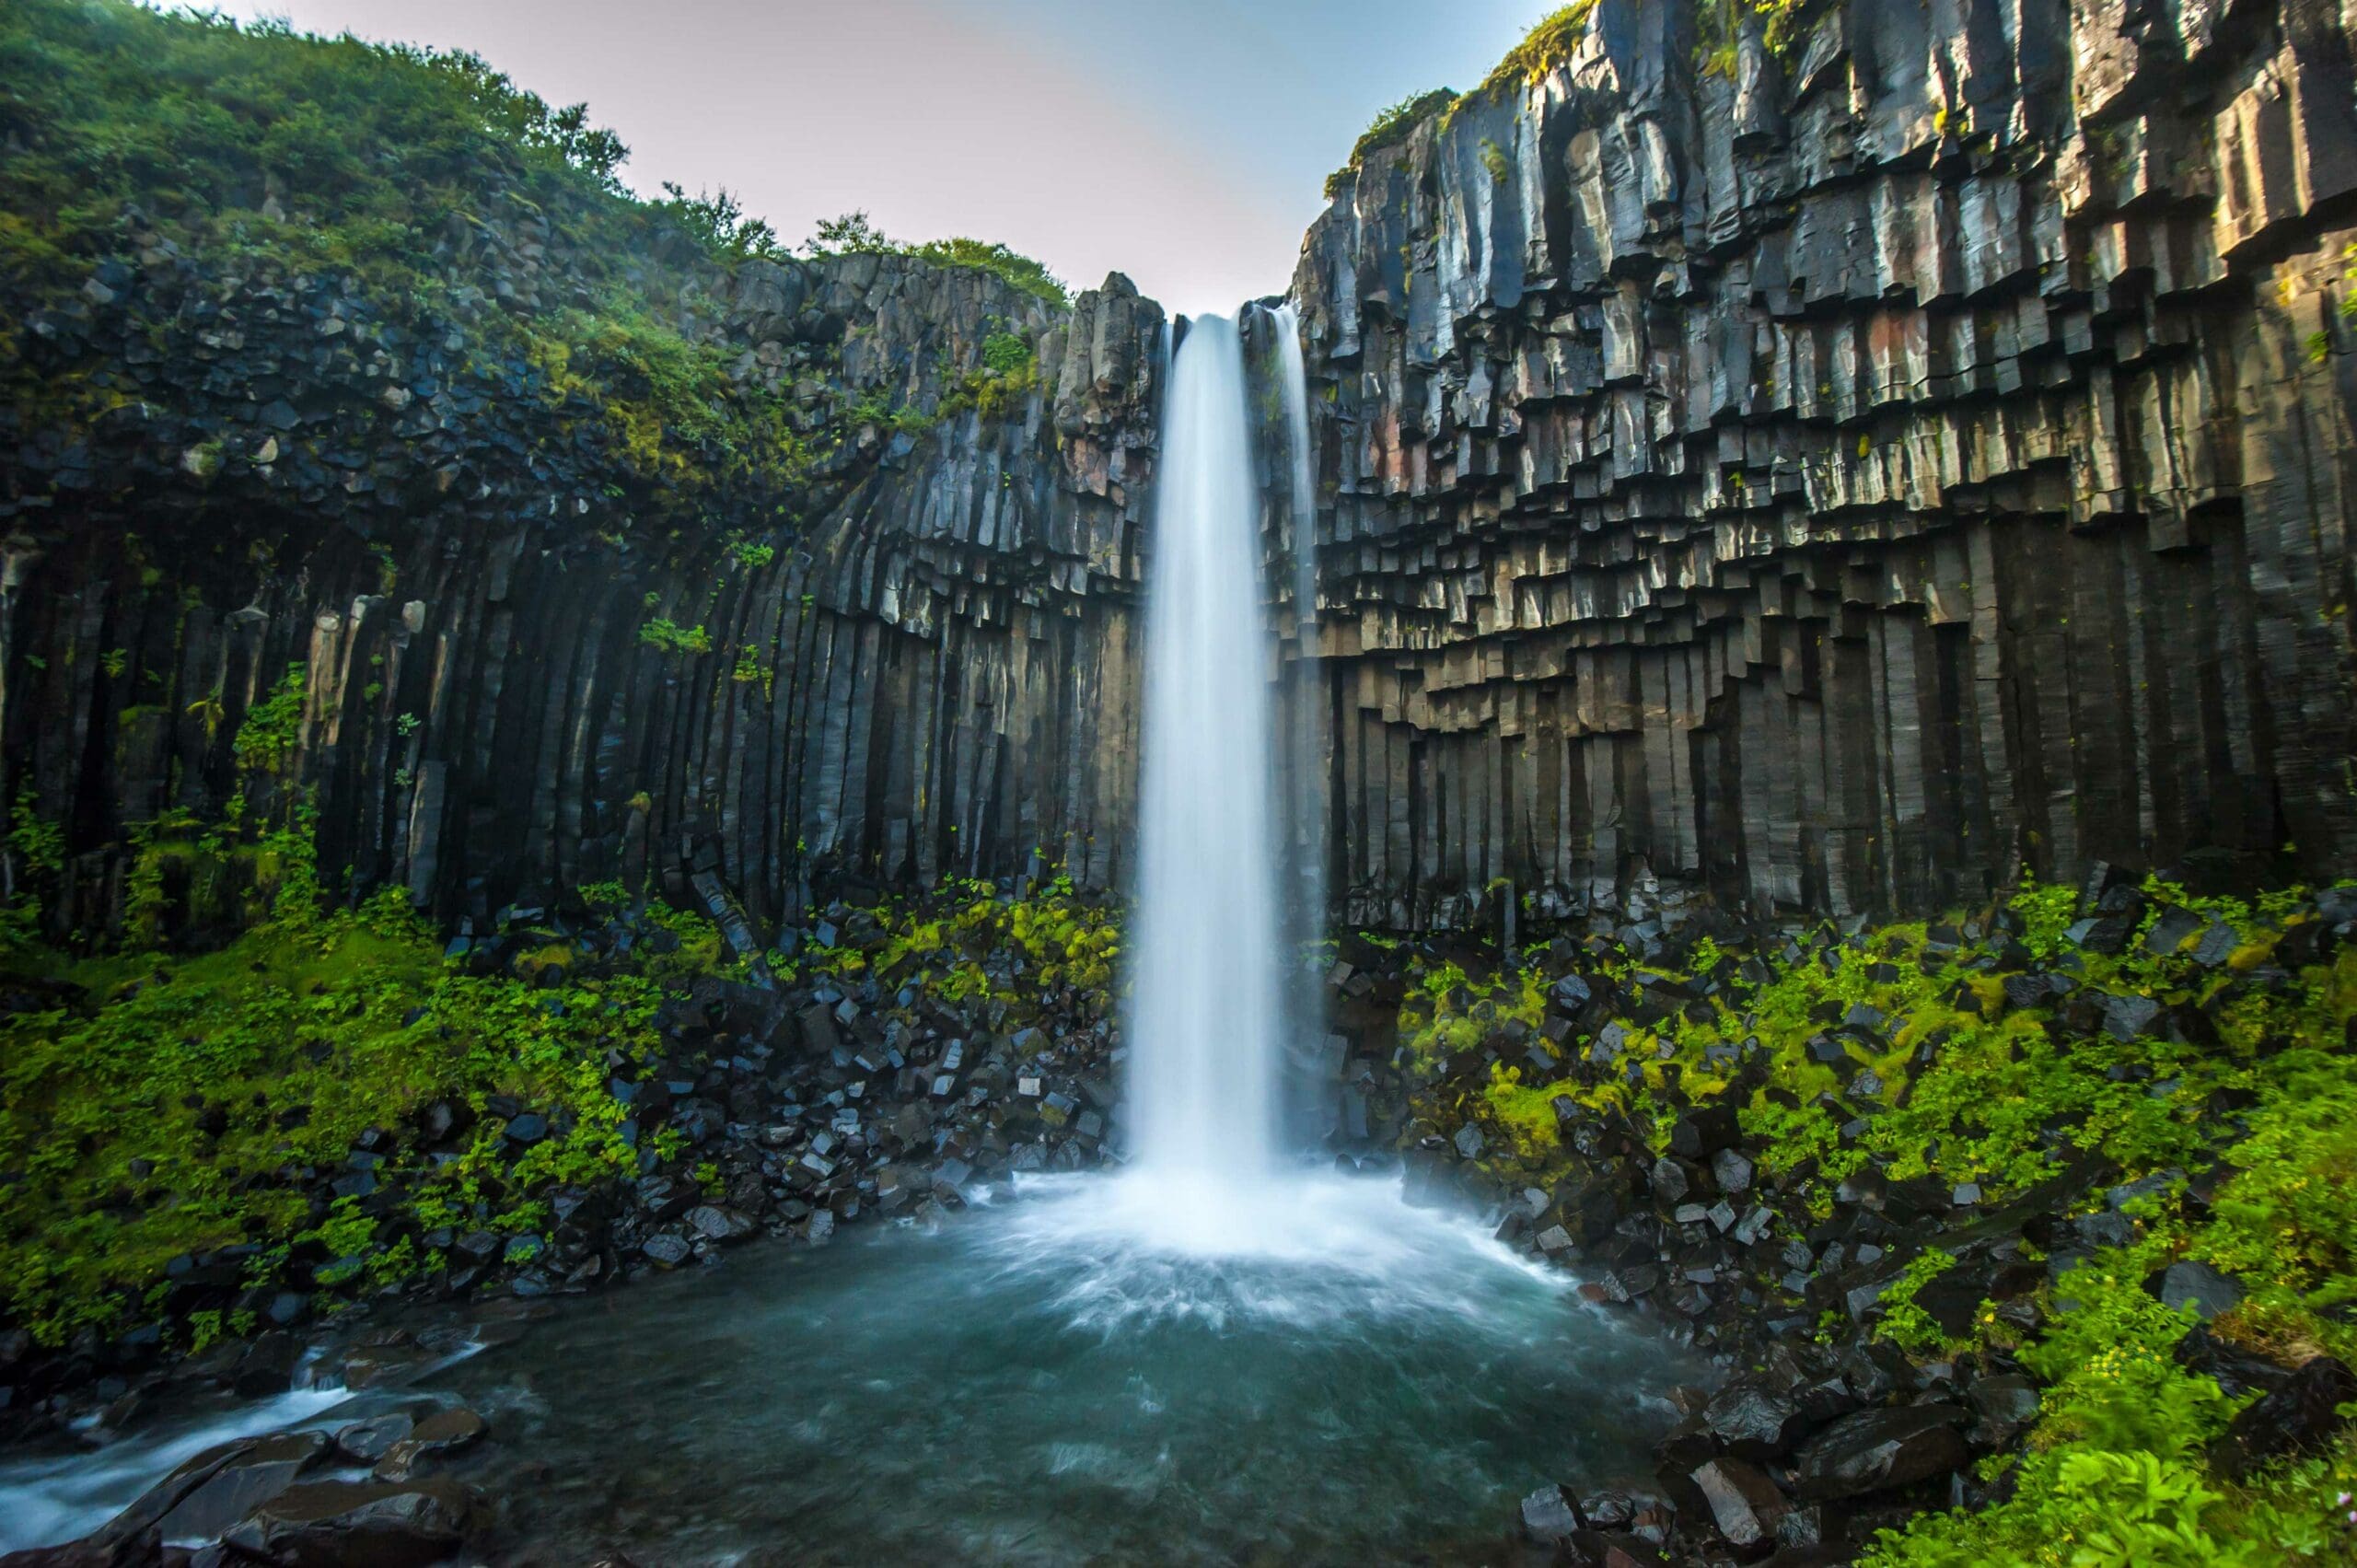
(1097, 1372)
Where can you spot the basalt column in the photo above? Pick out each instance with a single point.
(920, 662)
(1848, 473)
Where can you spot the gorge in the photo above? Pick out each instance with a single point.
(1680, 834)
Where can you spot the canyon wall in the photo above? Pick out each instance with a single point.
(1848, 473)
(525, 668)
(1844, 473)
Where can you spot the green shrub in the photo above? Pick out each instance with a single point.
(273, 726)
(1390, 126)
(671, 638)
(853, 234)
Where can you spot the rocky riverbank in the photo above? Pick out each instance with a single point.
(875, 1065)
(1960, 1212)
(1967, 1212)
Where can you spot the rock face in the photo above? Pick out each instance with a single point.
(525, 670)
(1840, 474)
(1915, 454)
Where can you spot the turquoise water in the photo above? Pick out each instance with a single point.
(1059, 1381)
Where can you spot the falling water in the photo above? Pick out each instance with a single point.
(1203, 1027)
(1303, 515)
(1311, 1108)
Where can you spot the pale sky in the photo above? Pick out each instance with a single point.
(1182, 142)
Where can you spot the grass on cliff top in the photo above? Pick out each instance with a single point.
(853, 234)
(257, 150)
(336, 150)
(1391, 127)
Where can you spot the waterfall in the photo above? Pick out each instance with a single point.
(1203, 1028)
(1311, 1108)
(1304, 496)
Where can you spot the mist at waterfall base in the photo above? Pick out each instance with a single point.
(1216, 1354)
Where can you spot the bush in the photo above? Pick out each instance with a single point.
(853, 234)
(1390, 126)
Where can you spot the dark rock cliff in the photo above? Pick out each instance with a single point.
(1845, 476)
(1907, 457)
(529, 664)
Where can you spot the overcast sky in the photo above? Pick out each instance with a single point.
(1182, 142)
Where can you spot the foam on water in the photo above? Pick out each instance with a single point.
(48, 1500)
(1304, 1249)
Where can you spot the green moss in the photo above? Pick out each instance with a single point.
(1006, 373)
(1445, 1012)
(1526, 1111)
(1544, 50)
(950, 944)
(671, 638)
(1390, 126)
(168, 1118)
(1718, 24)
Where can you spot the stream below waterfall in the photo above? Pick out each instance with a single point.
(1080, 1373)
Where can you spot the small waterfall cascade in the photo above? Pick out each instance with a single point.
(1205, 1031)
(1302, 474)
(1311, 1110)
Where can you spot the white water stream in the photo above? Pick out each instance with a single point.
(1204, 1016)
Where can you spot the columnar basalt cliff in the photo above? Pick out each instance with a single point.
(1848, 473)
(902, 652)
(1843, 473)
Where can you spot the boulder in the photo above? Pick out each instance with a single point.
(1755, 1421)
(340, 1523)
(2005, 1407)
(257, 1473)
(443, 1432)
(1744, 1503)
(1876, 1450)
(2189, 1283)
(1547, 1516)
(1704, 1130)
(723, 1226)
(2237, 1372)
(364, 1442)
(2297, 1418)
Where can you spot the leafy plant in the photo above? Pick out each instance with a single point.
(272, 725)
(853, 234)
(671, 638)
(1390, 126)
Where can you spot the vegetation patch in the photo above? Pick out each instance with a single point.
(1544, 50)
(1391, 127)
(853, 234)
(162, 1108)
(2193, 1054)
